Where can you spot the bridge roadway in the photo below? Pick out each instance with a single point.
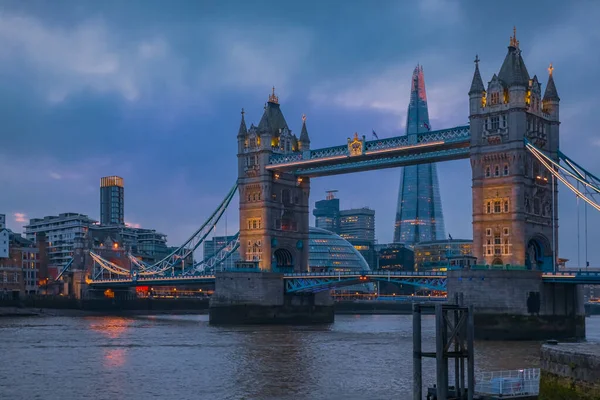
(319, 281)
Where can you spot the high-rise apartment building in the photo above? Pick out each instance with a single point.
(112, 201)
(327, 213)
(419, 211)
(2, 221)
(64, 234)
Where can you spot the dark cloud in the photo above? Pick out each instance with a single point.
(153, 93)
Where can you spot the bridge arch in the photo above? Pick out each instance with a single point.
(538, 254)
(283, 258)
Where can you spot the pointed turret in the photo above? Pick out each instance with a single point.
(243, 130)
(272, 120)
(477, 84)
(513, 71)
(551, 94)
(304, 139)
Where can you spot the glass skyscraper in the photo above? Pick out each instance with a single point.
(419, 215)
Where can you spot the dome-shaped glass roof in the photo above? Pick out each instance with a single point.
(331, 252)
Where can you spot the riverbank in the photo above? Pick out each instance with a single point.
(130, 307)
(570, 371)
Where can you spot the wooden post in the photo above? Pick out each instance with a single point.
(417, 368)
(471, 354)
(441, 372)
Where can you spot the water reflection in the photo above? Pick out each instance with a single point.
(114, 358)
(110, 327)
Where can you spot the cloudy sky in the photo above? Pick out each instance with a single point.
(153, 93)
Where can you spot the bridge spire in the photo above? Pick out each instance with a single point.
(551, 94)
(243, 130)
(477, 83)
(304, 139)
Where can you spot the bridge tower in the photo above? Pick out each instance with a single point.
(515, 219)
(273, 205)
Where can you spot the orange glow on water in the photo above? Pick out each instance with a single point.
(114, 358)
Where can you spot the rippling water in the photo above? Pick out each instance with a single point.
(182, 357)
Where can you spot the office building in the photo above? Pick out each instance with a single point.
(327, 213)
(65, 236)
(419, 215)
(112, 201)
(439, 255)
(396, 257)
(357, 226)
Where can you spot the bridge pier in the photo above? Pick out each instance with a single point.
(517, 305)
(259, 298)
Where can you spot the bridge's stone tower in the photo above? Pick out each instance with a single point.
(514, 202)
(273, 205)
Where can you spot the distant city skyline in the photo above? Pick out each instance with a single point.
(155, 99)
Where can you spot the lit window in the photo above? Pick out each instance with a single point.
(497, 208)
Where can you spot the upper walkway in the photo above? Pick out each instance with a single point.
(364, 155)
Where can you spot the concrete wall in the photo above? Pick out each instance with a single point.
(570, 371)
(256, 288)
(516, 305)
(495, 291)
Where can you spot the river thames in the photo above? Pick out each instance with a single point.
(182, 357)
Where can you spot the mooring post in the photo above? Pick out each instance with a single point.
(440, 356)
(471, 354)
(417, 369)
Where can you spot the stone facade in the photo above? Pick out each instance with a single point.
(273, 206)
(570, 371)
(514, 201)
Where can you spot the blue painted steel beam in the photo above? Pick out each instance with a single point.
(375, 154)
(574, 278)
(393, 161)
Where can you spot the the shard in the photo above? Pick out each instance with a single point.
(419, 215)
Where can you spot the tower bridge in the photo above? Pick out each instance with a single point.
(512, 142)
